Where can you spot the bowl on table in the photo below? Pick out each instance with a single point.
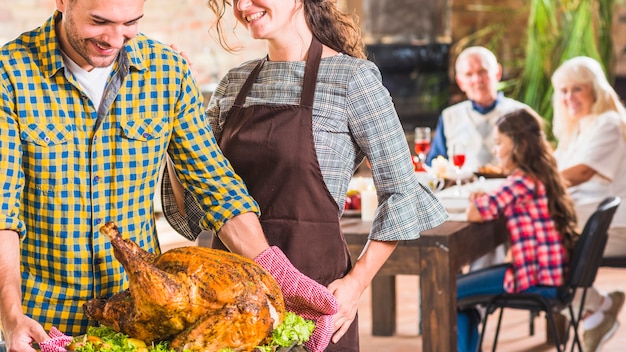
(489, 171)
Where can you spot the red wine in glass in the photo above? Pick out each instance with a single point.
(458, 160)
(422, 146)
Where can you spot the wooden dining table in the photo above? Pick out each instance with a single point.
(437, 256)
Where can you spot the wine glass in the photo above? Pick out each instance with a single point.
(457, 153)
(422, 144)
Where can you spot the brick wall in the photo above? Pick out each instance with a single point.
(183, 22)
(187, 23)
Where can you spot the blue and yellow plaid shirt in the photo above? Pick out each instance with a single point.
(67, 166)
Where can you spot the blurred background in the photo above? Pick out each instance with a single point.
(414, 42)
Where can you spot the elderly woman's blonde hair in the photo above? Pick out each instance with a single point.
(584, 71)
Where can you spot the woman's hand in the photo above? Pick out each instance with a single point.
(577, 174)
(348, 290)
(186, 57)
(348, 293)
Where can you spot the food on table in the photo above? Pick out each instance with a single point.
(440, 167)
(353, 200)
(353, 195)
(200, 298)
(418, 165)
(347, 204)
(490, 170)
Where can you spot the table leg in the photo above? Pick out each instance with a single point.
(437, 280)
(561, 323)
(384, 305)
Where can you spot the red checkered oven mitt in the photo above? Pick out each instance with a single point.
(303, 296)
(56, 343)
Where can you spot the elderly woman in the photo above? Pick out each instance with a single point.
(590, 124)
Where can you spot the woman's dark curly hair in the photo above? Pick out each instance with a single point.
(329, 25)
(533, 154)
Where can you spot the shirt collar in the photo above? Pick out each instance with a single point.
(50, 51)
(487, 109)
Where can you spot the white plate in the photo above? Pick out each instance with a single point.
(455, 205)
(464, 175)
(452, 192)
(457, 217)
(486, 185)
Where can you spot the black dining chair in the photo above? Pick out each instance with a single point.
(615, 252)
(583, 267)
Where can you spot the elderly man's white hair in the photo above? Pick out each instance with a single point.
(486, 56)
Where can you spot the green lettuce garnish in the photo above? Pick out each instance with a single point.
(294, 330)
(112, 341)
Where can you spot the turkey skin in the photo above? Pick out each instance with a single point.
(200, 298)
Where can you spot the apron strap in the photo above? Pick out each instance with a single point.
(307, 96)
(247, 86)
(310, 73)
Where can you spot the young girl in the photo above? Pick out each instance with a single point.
(539, 214)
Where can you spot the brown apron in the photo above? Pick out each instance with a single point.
(272, 149)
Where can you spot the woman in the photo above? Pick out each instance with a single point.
(539, 215)
(296, 125)
(590, 124)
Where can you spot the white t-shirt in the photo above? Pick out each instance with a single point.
(602, 147)
(93, 82)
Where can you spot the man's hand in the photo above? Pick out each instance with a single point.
(56, 343)
(21, 334)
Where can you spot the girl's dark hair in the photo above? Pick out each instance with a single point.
(329, 25)
(533, 154)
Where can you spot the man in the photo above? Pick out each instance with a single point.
(89, 108)
(470, 122)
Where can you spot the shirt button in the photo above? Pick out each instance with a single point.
(146, 135)
(98, 221)
(96, 179)
(46, 139)
(98, 261)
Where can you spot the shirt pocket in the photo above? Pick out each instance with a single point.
(145, 138)
(145, 129)
(47, 152)
(48, 134)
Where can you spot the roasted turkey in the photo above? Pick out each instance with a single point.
(201, 299)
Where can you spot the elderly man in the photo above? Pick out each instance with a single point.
(470, 122)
